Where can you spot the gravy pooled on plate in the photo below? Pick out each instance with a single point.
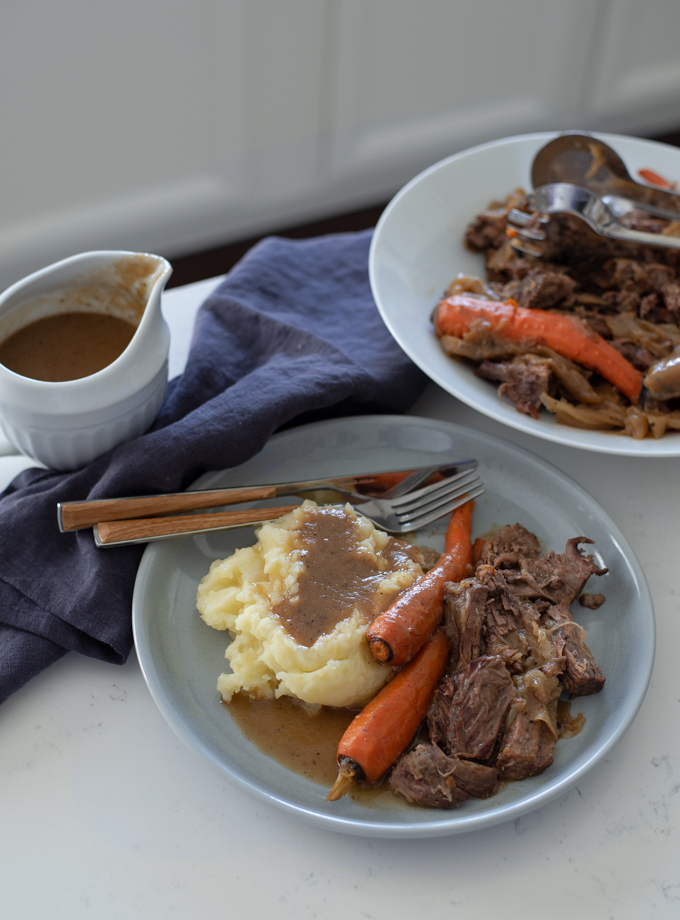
(304, 742)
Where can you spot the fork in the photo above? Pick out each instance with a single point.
(79, 515)
(526, 223)
(398, 515)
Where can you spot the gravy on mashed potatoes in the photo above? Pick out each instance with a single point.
(298, 603)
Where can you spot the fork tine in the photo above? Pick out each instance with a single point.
(451, 505)
(525, 219)
(436, 498)
(439, 501)
(528, 233)
(415, 499)
(527, 225)
(519, 244)
(410, 483)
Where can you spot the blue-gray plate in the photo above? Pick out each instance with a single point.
(181, 657)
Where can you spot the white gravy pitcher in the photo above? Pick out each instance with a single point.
(66, 424)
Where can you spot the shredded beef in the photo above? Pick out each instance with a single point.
(510, 547)
(625, 300)
(469, 707)
(542, 290)
(426, 776)
(650, 308)
(514, 649)
(527, 749)
(504, 264)
(478, 780)
(510, 626)
(643, 279)
(671, 296)
(487, 231)
(659, 276)
(592, 601)
(594, 319)
(561, 577)
(523, 584)
(464, 613)
(582, 274)
(523, 381)
(582, 676)
(639, 357)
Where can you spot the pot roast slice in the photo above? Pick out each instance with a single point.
(426, 776)
(527, 749)
(469, 707)
(562, 576)
(582, 675)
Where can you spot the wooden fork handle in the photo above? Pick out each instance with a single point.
(77, 515)
(144, 530)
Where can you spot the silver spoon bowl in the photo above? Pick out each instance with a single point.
(589, 163)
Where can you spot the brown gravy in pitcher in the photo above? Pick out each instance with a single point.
(66, 346)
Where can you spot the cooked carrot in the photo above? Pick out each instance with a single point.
(381, 731)
(567, 335)
(397, 634)
(477, 548)
(381, 482)
(655, 179)
(458, 530)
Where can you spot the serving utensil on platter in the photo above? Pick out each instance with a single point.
(404, 514)
(527, 222)
(579, 174)
(358, 487)
(586, 161)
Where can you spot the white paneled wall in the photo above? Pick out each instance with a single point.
(638, 65)
(443, 75)
(170, 125)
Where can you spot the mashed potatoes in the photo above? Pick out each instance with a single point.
(297, 605)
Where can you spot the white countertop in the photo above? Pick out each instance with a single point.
(106, 814)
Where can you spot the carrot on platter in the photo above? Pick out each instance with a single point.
(397, 634)
(567, 335)
(383, 728)
(655, 179)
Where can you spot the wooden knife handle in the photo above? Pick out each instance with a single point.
(110, 533)
(77, 515)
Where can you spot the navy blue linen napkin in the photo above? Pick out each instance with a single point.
(291, 335)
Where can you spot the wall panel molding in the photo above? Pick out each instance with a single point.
(638, 64)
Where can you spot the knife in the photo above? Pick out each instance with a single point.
(79, 515)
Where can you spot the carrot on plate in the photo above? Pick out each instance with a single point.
(383, 728)
(397, 634)
(567, 335)
(477, 548)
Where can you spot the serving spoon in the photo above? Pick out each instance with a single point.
(587, 162)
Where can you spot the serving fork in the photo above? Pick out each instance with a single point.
(527, 222)
(403, 514)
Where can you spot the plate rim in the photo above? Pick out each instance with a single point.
(192, 738)
(578, 439)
